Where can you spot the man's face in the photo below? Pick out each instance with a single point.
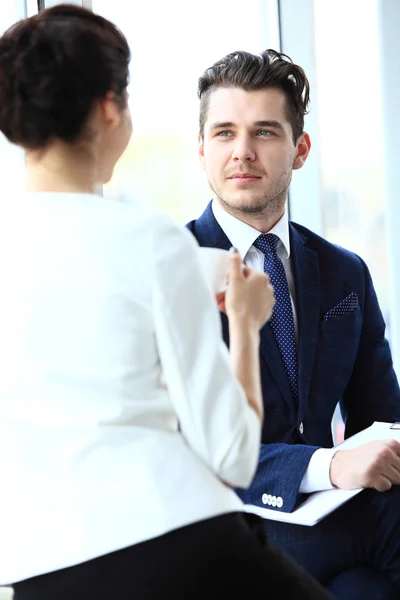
(248, 151)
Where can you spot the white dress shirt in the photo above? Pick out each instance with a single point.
(242, 237)
(109, 336)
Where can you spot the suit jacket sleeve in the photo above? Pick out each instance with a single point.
(279, 474)
(373, 391)
(280, 470)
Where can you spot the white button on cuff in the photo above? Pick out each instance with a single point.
(272, 500)
(301, 428)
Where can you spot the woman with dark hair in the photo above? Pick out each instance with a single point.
(109, 338)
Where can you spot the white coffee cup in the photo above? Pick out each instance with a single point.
(215, 264)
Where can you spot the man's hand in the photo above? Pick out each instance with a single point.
(373, 465)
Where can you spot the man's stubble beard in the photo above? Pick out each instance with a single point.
(269, 206)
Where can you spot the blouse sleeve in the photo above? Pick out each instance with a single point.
(215, 418)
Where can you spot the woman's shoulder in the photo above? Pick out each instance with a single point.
(160, 230)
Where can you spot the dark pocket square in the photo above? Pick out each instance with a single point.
(346, 306)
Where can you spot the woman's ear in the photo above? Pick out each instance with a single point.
(110, 109)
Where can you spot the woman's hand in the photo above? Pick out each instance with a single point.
(249, 296)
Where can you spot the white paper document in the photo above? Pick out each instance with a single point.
(320, 504)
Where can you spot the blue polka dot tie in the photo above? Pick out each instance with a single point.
(281, 322)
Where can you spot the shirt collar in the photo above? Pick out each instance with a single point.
(242, 236)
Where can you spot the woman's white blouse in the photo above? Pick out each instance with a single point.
(109, 336)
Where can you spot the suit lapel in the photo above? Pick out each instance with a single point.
(306, 278)
(208, 233)
(272, 356)
(307, 285)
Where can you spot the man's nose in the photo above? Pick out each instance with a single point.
(243, 150)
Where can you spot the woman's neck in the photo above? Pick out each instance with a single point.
(61, 168)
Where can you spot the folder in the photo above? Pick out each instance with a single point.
(320, 504)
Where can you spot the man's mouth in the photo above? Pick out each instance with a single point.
(244, 177)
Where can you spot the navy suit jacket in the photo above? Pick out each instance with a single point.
(345, 359)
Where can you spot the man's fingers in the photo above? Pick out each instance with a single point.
(395, 446)
(393, 473)
(382, 484)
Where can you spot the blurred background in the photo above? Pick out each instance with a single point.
(350, 51)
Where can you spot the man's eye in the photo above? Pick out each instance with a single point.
(265, 132)
(224, 133)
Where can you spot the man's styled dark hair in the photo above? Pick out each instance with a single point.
(251, 72)
(54, 66)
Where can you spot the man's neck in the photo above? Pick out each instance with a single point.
(262, 222)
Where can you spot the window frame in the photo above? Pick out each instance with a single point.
(297, 40)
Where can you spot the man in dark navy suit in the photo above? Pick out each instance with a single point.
(326, 341)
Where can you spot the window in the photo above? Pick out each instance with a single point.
(349, 114)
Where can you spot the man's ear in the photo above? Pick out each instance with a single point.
(200, 147)
(303, 147)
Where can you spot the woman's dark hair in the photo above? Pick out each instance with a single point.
(250, 72)
(53, 68)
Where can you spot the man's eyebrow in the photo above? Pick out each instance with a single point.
(275, 124)
(221, 124)
(227, 124)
